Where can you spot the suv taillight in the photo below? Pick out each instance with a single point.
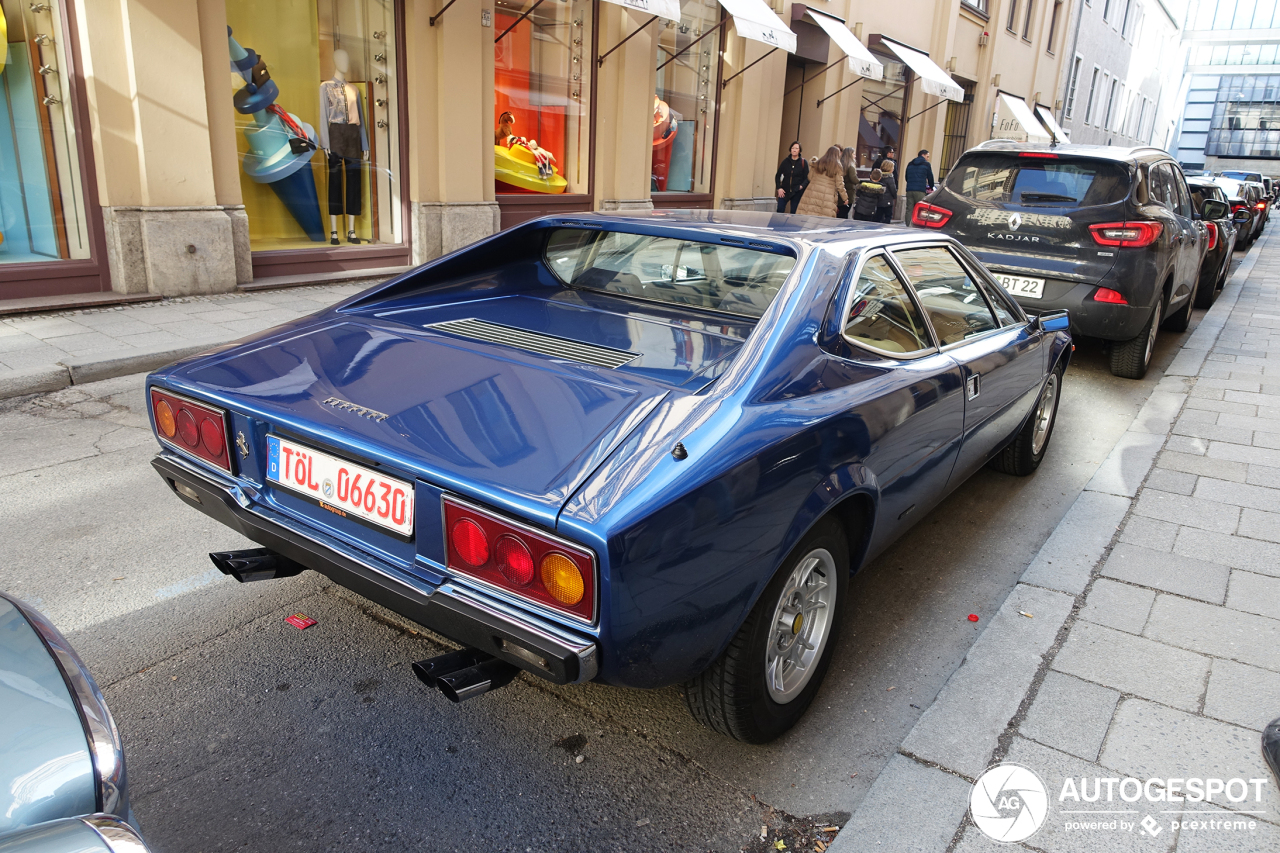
(195, 428)
(535, 566)
(1126, 235)
(925, 215)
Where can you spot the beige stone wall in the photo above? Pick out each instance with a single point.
(163, 132)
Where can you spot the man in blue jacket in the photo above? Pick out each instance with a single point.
(919, 181)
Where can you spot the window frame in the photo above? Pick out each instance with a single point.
(1011, 25)
(1026, 21)
(1093, 90)
(1053, 28)
(1073, 87)
(981, 7)
(846, 305)
(979, 281)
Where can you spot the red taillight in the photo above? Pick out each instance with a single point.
(1126, 235)
(1261, 205)
(514, 560)
(1106, 294)
(1039, 155)
(1213, 234)
(1236, 208)
(535, 566)
(925, 215)
(470, 542)
(196, 428)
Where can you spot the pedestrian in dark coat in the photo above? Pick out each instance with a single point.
(868, 197)
(884, 210)
(849, 162)
(919, 177)
(791, 179)
(885, 154)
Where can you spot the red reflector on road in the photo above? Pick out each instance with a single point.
(301, 621)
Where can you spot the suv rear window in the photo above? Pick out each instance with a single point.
(1010, 179)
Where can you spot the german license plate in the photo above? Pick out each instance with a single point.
(340, 486)
(1031, 288)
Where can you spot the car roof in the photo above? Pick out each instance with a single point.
(813, 230)
(1076, 149)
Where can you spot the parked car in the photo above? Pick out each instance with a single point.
(1238, 175)
(1264, 201)
(1243, 196)
(642, 450)
(1108, 233)
(1210, 202)
(62, 774)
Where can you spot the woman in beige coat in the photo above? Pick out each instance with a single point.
(826, 186)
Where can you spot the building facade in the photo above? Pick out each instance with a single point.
(191, 146)
(1120, 80)
(1232, 86)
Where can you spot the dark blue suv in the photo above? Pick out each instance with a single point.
(1108, 233)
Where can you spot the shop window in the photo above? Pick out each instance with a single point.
(42, 206)
(542, 79)
(880, 125)
(684, 107)
(315, 89)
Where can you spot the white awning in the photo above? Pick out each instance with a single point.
(756, 21)
(1046, 118)
(1019, 123)
(861, 62)
(933, 80)
(669, 9)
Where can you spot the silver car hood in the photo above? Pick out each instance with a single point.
(45, 768)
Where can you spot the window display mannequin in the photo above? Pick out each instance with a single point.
(345, 143)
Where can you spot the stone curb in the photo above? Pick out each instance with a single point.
(95, 367)
(957, 734)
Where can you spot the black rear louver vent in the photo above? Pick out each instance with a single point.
(550, 345)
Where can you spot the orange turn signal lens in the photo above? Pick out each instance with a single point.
(562, 578)
(164, 419)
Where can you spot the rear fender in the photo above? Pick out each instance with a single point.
(839, 492)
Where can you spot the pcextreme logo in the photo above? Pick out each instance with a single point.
(1009, 803)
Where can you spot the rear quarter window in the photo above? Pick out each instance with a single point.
(1065, 182)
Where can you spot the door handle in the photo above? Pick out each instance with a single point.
(973, 386)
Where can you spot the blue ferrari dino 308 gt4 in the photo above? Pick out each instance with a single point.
(644, 450)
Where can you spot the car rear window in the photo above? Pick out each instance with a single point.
(735, 280)
(1063, 182)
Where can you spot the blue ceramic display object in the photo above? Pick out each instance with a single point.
(270, 159)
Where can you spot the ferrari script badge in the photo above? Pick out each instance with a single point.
(359, 410)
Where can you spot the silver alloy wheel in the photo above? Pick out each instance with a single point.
(1151, 336)
(801, 625)
(1044, 414)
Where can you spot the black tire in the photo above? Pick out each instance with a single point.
(732, 696)
(1180, 320)
(1021, 458)
(1130, 359)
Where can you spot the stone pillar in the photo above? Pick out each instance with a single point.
(624, 109)
(167, 231)
(450, 91)
(750, 121)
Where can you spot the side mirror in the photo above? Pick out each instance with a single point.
(1242, 216)
(1054, 321)
(1211, 208)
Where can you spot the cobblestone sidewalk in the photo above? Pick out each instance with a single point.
(51, 351)
(1147, 629)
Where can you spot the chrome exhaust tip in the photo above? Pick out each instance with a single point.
(255, 564)
(465, 674)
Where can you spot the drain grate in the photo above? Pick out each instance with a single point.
(496, 333)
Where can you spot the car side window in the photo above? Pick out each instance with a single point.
(950, 297)
(1180, 186)
(881, 313)
(1161, 188)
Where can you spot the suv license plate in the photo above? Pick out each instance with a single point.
(340, 486)
(1031, 288)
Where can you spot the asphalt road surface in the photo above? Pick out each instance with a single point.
(243, 733)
